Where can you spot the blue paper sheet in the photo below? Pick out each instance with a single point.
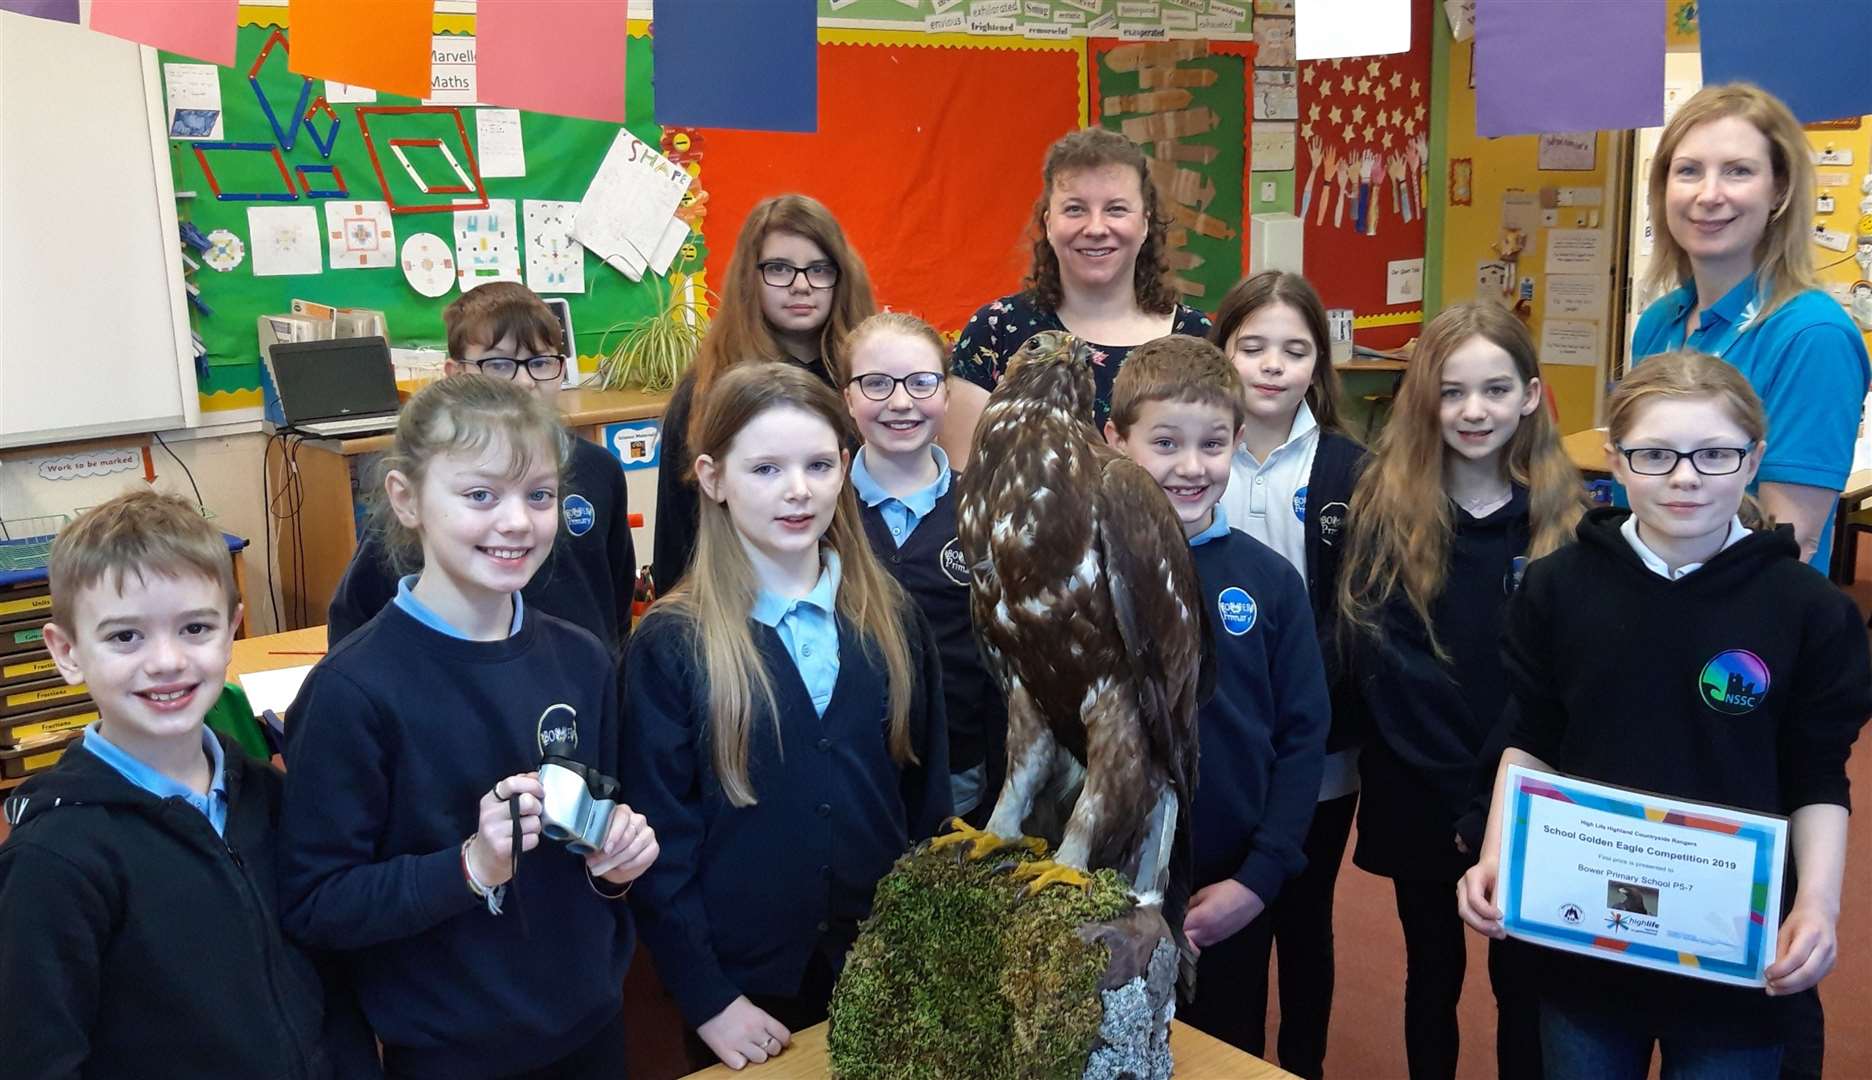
(746, 64)
(1809, 53)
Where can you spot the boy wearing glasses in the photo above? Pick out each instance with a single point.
(502, 330)
(897, 393)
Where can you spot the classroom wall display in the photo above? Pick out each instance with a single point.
(1364, 159)
(1052, 20)
(291, 141)
(1187, 104)
(928, 152)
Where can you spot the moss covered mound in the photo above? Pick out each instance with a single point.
(960, 974)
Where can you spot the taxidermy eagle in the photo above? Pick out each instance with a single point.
(1087, 609)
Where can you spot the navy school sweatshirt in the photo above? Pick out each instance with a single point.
(395, 737)
(741, 898)
(932, 570)
(137, 942)
(1431, 717)
(1263, 732)
(1328, 497)
(1744, 683)
(589, 579)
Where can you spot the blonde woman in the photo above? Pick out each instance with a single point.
(1731, 188)
(785, 723)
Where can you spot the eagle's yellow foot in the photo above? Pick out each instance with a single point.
(980, 843)
(1046, 872)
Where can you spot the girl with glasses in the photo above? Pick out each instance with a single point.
(906, 494)
(1100, 272)
(1617, 649)
(794, 290)
(1730, 189)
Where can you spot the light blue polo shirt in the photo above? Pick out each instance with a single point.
(901, 515)
(213, 804)
(423, 613)
(1808, 363)
(808, 627)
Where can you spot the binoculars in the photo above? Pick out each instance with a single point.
(578, 803)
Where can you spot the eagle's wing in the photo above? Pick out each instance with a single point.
(1156, 605)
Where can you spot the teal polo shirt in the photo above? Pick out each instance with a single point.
(1807, 361)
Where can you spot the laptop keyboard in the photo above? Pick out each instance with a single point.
(355, 424)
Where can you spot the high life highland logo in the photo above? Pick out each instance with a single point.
(1734, 682)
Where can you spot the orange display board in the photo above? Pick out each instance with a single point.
(928, 155)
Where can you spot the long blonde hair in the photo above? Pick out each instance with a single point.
(738, 333)
(1688, 375)
(1783, 259)
(717, 594)
(1402, 520)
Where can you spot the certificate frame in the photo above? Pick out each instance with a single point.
(1612, 935)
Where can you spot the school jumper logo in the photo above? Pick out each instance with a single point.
(1300, 503)
(954, 566)
(1734, 682)
(579, 515)
(557, 728)
(1331, 520)
(1238, 610)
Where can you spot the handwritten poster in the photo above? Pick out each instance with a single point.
(1575, 251)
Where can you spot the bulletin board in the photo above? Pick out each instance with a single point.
(936, 199)
(316, 161)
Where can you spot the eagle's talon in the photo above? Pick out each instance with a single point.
(1046, 872)
(972, 843)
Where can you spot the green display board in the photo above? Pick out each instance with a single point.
(561, 156)
(1218, 259)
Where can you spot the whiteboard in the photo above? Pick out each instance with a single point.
(94, 335)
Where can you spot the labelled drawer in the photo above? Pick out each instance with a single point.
(40, 694)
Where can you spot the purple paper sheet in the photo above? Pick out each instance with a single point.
(1568, 65)
(62, 10)
(1806, 52)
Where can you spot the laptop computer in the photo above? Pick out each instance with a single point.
(336, 389)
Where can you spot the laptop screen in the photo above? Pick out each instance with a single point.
(325, 380)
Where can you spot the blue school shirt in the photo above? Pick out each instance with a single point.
(214, 804)
(423, 613)
(808, 627)
(1808, 363)
(901, 515)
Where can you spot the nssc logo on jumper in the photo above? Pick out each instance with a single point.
(579, 515)
(1237, 609)
(1734, 682)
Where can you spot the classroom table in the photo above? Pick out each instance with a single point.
(293, 648)
(318, 527)
(1586, 449)
(1198, 1057)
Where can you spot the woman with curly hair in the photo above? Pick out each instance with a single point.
(1098, 272)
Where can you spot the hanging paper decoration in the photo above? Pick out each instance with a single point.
(382, 44)
(586, 40)
(203, 29)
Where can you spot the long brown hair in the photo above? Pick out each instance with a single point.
(1783, 259)
(1257, 291)
(739, 333)
(1402, 520)
(1688, 375)
(716, 595)
(1095, 148)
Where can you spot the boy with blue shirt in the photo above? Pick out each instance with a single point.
(145, 858)
(1177, 410)
(898, 395)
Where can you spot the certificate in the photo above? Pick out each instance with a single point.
(1641, 879)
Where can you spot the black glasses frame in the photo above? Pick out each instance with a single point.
(895, 382)
(771, 267)
(1677, 456)
(522, 364)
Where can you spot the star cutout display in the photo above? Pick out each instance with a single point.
(1397, 116)
(1385, 141)
(1336, 61)
(1306, 130)
(1418, 112)
(1313, 111)
(1372, 69)
(1397, 80)
(1364, 86)
(1349, 132)
(1358, 114)
(1416, 88)
(1410, 127)
(1306, 74)
(1368, 132)
(1334, 115)
(1378, 92)
(1346, 84)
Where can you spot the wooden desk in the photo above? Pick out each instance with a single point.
(1198, 1057)
(294, 648)
(1586, 449)
(334, 474)
(1858, 490)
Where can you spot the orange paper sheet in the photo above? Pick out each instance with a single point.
(382, 44)
(564, 57)
(203, 29)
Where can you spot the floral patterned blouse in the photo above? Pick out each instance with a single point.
(996, 330)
